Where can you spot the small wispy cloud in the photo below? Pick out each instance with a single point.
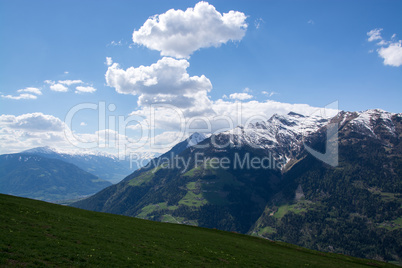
(28, 93)
(108, 61)
(374, 34)
(62, 86)
(258, 22)
(23, 96)
(311, 22)
(116, 43)
(269, 94)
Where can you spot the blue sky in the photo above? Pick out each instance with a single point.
(290, 52)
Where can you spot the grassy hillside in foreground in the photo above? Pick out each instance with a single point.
(35, 233)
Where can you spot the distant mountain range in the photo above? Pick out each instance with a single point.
(44, 173)
(353, 208)
(45, 179)
(106, 166)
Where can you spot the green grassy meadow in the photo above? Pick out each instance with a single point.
(38, 234)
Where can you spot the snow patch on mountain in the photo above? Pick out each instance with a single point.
(278, 131)
(283, 135)
(195, 138)
(41, 150)
(369, 122)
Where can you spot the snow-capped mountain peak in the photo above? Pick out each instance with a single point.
(282, 135)
(373, 122)
(195, 138)
(41, 150)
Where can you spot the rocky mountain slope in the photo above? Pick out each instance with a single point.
(261, 180)
(354, 208)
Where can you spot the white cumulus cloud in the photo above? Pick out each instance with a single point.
(170, 126)
(18, 133)
(390, 51)
(70, 82)
(392, 54)
(165, 81)
(62, 86)
(223, 115)
(59, 88)
(374, 34)
(179, 33)
(28, 93)
(32, 122)
(109, 61)
(33, 90)
(23, 96)
(87, 89)
(240, 96)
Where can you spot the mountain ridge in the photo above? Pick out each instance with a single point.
(258, 201)
(48, 179)
(104, 165)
